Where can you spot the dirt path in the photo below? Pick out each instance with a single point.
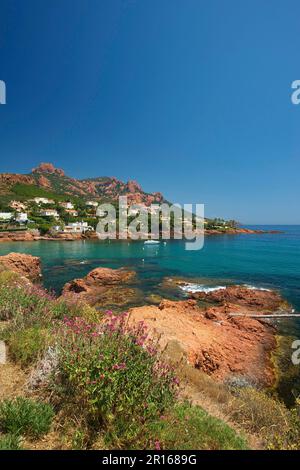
(12, 380)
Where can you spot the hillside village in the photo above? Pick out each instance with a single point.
(48, 215)
(48, 201)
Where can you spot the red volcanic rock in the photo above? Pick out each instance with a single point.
(26, 265)
(44, 182)
(11, 179)
(108, 276)
(133, 186)
(20, 236)
(210, 340)
(48, 168)
(102, 286)
(254, 299)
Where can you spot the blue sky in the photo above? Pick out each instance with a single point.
(191, 98)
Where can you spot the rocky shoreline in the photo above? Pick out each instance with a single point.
(34, 235)
(200, 329)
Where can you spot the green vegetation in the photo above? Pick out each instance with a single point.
(116, 382)
(106, 377)
(111, 382)
(28, 191)
(26, 345)
(189, 427)
(10, 442)
(25, 417)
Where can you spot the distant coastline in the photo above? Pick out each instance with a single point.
(34, 235)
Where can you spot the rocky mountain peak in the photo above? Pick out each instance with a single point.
(48, 168)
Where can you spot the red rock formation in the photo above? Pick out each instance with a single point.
(20, 236)
(102, 286)
(44, 182)
(10, 179)
(211, 340)
(48, 168)
(253, 299)
(26, 265)
(133, 187)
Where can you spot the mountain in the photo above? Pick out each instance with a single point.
(46, 180)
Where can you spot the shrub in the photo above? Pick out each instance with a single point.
(26, 345)
(10, 442)
(24, 304)
(259, 413)
(113, 373)
(45, 368)
(189, 427)
(22, 416)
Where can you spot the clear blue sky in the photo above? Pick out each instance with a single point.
(190, 97)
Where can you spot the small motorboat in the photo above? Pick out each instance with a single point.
(152, 242)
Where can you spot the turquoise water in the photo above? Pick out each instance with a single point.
(268, 260)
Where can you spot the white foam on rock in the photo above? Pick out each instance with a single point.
(193, 288)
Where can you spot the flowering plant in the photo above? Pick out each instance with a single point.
(113, 371)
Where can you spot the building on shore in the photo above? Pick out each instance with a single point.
(43, 200)
(92, 203)
(75, 227)
(22, 217)
(49, 213)
(6, 216)
(72, 212)
(67, 205)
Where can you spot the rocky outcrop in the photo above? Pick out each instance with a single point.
(20, 236)
(10, 179)
(258, 300)
(48, 168)
(212, 341)
(240, 231)
(103, 287)
(26, 265)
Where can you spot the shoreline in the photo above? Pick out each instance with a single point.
(27, 236)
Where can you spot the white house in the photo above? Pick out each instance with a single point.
(75, 227)
(6, 215)
(67, 205)
(72, 212)
(22, 217)
(43, 200)
(50, 213)
(92, 203)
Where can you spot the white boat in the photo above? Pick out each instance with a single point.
(151, 242)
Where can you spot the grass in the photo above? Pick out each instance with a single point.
(10, 442)
(259, 413)
(25, 417)
(26, 345)
(189, 427)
